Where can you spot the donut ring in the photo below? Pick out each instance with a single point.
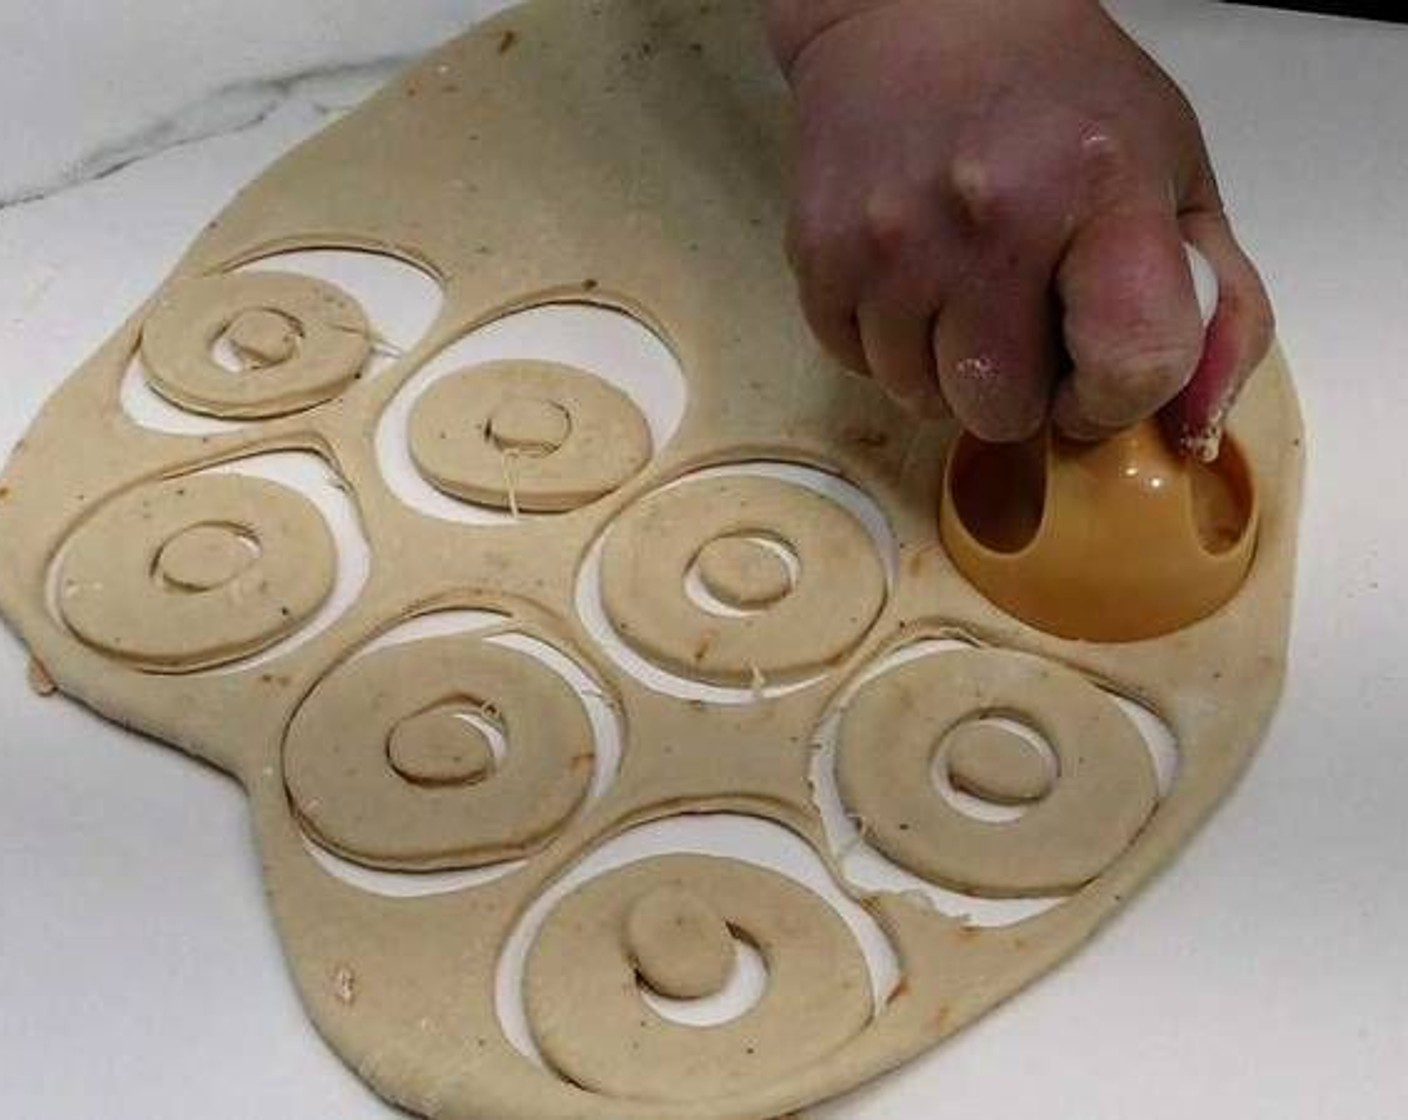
(344, 756)
(839, 590)
(301, 341)
(194, 572)
(605, 939)
(529, 435)
(1104, 791)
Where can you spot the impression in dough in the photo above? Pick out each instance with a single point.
(835, 686)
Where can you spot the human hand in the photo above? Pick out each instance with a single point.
(993, 198)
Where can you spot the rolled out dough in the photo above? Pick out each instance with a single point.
(632, 154)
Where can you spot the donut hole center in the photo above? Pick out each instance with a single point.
(456, 743)
(206, 557)
(691, 966)
(529, 426)
(994, 768)
(741, 574)
(257, 339)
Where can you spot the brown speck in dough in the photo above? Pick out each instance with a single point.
(507, 41)
(869, 438)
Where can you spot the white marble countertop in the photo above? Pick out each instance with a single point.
(1264, 976)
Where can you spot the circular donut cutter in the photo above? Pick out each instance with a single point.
(1118, 541)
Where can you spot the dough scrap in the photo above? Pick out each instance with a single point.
(743, 572)
(263, 338)
(205, 557)
(440, 747)
(679, 945)
(997, 765)
(39, 680)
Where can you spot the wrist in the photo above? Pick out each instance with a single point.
(795, 24)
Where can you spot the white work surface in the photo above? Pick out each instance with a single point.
(1265, 975)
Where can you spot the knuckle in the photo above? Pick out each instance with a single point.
(890, 219)
(975, 189)
(1104, 154)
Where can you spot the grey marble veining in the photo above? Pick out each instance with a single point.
(89, 87)
(330, 90)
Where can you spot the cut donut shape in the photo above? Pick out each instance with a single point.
(838, 592)
(527, 435)
(301, 342)
(194, 572)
